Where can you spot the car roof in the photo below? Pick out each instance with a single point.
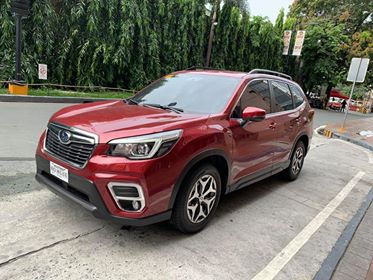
(216, 72)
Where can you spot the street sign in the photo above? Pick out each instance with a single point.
(43, 71)
(299, 39)
(358, 70)
(356, 74)
(287, 38)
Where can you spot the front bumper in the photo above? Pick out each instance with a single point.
(84, 192)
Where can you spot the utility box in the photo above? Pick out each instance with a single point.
(18, 89)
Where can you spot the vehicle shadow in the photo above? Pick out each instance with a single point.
(239, 200)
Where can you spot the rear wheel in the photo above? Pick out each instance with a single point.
(296, 162)
(198, 199)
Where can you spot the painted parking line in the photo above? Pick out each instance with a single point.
(286, 254)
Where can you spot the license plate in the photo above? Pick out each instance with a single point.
(59, 171)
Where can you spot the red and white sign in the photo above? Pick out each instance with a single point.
(299, 42)
(287, 39)
(43, 71)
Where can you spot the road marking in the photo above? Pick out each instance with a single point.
(286, 254)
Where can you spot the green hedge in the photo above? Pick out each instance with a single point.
(129, 43)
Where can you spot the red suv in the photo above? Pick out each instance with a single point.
(172, 151)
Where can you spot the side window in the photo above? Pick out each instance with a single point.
(256, 94)
(298, 96)
(283, 100)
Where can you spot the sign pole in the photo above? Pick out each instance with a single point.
(342, 129)
(18, 75)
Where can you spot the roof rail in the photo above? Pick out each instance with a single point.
(270, 72)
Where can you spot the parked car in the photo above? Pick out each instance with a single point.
(172, 151)
(335, 103)
(315, 100)
(356, 105)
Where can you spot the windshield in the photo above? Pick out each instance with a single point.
(190, 92)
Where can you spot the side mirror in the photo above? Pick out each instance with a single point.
(253, 114)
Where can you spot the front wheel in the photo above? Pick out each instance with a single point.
(296, 162)
(198, 199)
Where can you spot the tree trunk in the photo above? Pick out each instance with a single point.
(211, 37)
(327, 92)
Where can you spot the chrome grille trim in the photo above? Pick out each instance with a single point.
(79, 149)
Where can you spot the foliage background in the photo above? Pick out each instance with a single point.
(130, 43)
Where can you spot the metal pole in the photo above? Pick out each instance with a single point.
(349, 100)
(211, 37)
(18, 47)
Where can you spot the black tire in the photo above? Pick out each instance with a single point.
(291, 173)
(180, 217)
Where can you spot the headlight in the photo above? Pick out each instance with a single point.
(146, 146)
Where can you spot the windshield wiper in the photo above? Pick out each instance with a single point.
(131, 101)
(164, 107)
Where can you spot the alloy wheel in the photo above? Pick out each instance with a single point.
(201, 199)
(297, 161)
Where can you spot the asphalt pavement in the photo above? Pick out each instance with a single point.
(325, 117)
(24, 122)
(270, 230)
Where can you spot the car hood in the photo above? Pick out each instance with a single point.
(116, 119)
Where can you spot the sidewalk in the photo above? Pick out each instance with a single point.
(352, 130)
(358, 257)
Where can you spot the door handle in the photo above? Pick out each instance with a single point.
(272, 125)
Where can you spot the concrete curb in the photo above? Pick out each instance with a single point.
(352, 140)
(48, 99)
(332, 134)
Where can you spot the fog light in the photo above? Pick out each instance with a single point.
(136, 205)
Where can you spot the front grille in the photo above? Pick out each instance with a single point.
(76, 151)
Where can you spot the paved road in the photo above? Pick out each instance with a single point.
(274, 228)
(323, 117)
(26, 121)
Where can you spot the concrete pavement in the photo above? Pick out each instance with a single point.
(45, 237)
(359, 255)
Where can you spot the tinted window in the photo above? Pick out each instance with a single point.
(192, 92)
(297, 95)
(256, 94)
(282, 97)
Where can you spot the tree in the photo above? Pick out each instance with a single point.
(354, 14)
(362, 46)
(348, 21)
(323, 55)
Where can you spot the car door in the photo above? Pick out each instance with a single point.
(286, 120)
(253, 143)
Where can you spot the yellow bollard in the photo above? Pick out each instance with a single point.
(328, 133)
(18, 89)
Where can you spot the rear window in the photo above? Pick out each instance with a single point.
(298, 95)
(192, 92)
(283, 100)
